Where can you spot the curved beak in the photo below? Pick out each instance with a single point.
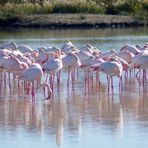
(43, 69)
(49, 95)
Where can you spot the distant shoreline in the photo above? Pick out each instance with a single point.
(74, 21)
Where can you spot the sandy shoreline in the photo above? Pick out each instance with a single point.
(75, 20)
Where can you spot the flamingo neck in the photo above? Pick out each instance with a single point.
(48, 88)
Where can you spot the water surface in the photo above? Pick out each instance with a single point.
(76, 117)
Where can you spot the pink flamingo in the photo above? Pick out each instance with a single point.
(35, 73)
(131, 48)
(68, 47)
(43, 57)
(11, 65)
(91, 49)
(140, 62)
(52, 67)
(70, 62)
(107, 54)
(89, 65)
(5, 52)
(111, 68)
(9, 45)
(2, 59)
(24, 49)
(126, 55)
(124, 65)
(145, 47)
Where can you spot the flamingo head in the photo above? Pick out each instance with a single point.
(44, 69)
(125, 66)
(49, 94)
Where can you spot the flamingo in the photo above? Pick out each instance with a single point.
(52, 67)
(35, 73)
(83, 56)
(145, 47)
(140, 62)
(131, 48)
(91, 49)
(25, 59)
(126, 55)
(49, 54)
(12, 64)
(5, 51)
(111, 68)
(2, 59)
(89, 65)
(68, 47)
(24, 49)
(9, 45)
(108, 54)
(86, 59)
(70, 62)
(43, 57)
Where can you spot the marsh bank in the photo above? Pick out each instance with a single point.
(74, 20)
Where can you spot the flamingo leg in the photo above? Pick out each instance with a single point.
(28, 87)
(112, 86)
(18, 86)
(108, 81)
(50, 79)
(68, 80)
(91, 77)
(5, 79)
(9, 83)
(130, 73)
(97, 79)
(46, 78)
(53, 76)
(120, 83)
(138, 76)
(58, 76)
(144, 76)
(33, 92)
(1, 77)
(73, 76)
(77, 73)
(126, 75)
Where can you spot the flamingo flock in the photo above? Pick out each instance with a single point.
(28, 65)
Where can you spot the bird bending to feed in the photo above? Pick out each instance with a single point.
(71, 62)
(35, 73)
(29, 65)
(111, 68)
(52, 67)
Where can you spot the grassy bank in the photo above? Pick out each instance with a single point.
(16, 10)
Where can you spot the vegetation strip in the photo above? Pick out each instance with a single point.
(68, 13)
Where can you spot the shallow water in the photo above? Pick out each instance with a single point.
(76, 116)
